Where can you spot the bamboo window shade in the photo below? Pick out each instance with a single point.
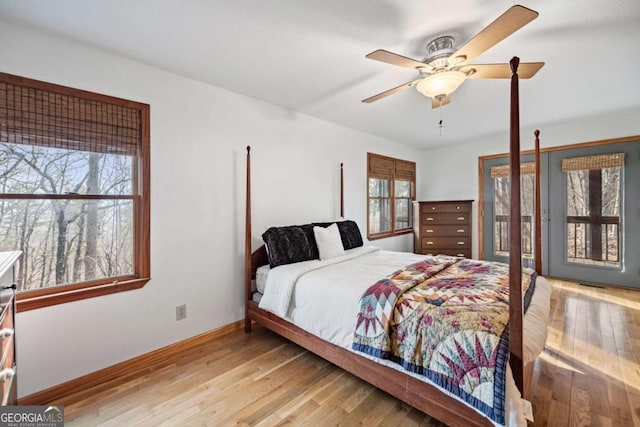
(528, 168)
(381, 167)
(35, 116)
(405, 171)
(601, 161)
(389, 168)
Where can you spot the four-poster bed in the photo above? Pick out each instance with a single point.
(408, 388)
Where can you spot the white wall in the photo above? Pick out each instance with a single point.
(198, 138)
(451, 172)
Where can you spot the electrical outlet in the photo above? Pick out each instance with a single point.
(181, 312)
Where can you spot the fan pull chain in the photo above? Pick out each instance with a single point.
(441, 122)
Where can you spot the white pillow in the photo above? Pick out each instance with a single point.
(328, 241)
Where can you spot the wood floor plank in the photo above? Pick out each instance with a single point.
(634, 402)
(588, 374)
(558, 414)
(309, 407)
(370, 411)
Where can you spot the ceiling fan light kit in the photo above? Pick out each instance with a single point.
(442, 83)
(446, 68)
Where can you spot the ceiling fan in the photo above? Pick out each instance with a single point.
(445, 68)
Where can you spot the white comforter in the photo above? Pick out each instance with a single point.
(323, 298)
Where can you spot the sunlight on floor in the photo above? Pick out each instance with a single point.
(601, 294)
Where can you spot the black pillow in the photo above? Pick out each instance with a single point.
(297, 243)
(350, 234)
(286, 245)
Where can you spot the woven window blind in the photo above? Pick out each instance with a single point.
(34, 116)
(593, 162)
(528, 168)
(380, 167)
(405, 171)
(389, 168)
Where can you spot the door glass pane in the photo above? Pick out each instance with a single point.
(593, 216)
(611, 191)
(501, 215)
(578, 193)
(502, 212)
(379, 215)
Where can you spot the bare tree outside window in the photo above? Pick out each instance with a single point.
(593, 216)
(65, 240)
(391, 191)
(379, 206)
(502, 194)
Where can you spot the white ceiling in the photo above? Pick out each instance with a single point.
(309, 55)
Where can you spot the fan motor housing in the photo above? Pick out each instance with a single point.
(439, 50)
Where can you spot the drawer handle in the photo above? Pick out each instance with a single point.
(433, 208)
(458, 207)
(461, 230)
(431, 219)
(429, 243)
(460, 218)
(461, 243)
(429, 231)
(460, 255)
(5, 333)
(6, 374)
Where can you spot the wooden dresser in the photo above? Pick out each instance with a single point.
(442, 228)
(8, 373)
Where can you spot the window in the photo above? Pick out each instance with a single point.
(502, 201)
(74, 191)
(593, 209)
(391, 189)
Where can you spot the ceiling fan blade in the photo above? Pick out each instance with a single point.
(526, 70)
(390, 91)
(505, 25)
(399, 60)
(437, 104)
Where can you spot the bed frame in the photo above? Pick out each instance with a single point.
(413, 391)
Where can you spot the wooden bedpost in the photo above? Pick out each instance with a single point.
(515, 250)
(538, 223)
(341, 191)
(247, 247)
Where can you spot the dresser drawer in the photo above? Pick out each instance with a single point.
(445, 218)
(7, 361)
(445, 207)
(446, 242)
(436, 230)
(8, 373)
(6, 329)
(7, 377)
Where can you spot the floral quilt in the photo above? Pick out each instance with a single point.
(445, 318)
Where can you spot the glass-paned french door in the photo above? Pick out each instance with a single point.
(496, 208)
(590, 213)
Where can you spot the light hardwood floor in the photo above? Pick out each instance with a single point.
(589, 374)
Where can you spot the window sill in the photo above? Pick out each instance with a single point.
(34, 300)
(385, 235)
